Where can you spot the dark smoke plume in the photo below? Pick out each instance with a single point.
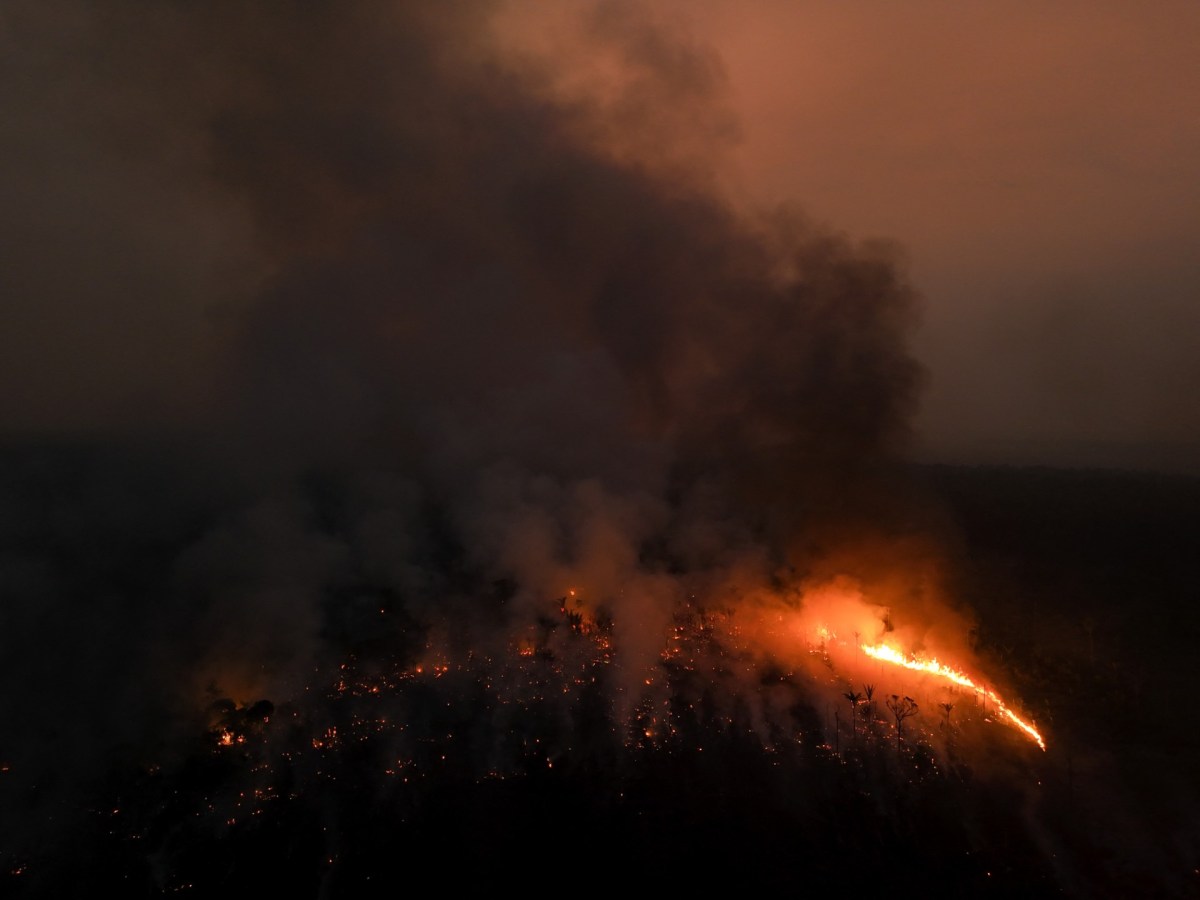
(576, 353)
(465, 324)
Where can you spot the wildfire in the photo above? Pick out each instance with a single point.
(940, 670)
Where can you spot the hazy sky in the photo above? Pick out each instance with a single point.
(1039, 164)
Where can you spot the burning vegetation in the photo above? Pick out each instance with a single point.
(944, 672)
(808, 724)
(556, 702)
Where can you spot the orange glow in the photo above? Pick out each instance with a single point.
(933, 667)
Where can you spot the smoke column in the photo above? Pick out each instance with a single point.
(469, 320)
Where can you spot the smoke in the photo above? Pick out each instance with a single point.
(445, 334)
(506, 286)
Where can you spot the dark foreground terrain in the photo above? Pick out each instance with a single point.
(395, 778)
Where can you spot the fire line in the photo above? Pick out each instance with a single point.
(933, 667)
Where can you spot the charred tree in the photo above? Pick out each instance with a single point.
(902, 708)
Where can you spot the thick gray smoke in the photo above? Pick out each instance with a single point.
(462, 324)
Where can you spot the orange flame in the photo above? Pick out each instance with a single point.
(940, 670)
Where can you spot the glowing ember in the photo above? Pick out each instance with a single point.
(938, 669)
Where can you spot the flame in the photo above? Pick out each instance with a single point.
(940, 670)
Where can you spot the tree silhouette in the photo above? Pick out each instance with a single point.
(946, 707)
(869, 693)
(902, 708)
(854, 697)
